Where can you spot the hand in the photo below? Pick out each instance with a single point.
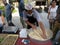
(44, 36)
(33, 27)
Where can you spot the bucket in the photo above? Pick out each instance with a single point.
(35, 40)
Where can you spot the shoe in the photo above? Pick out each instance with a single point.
(11, 24)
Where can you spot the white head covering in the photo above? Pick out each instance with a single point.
(28, 7)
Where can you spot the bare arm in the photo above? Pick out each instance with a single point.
(33, 26)
(48, 15)
(43, 30)
(49, 12)
(42, 26)
(3, 19)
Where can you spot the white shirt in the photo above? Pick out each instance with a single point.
(1, 20)
(52, 12)
(36, 15)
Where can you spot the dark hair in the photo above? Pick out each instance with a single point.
(26, 10)
(54, 0)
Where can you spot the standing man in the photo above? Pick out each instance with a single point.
(57, 23)
(21, 9)
(8, 13)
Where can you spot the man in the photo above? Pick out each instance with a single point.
(56, 28)
(57, 22)
(21, 9)
(32, 18)
(8, 13)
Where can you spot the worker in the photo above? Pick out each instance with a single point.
(32, 18)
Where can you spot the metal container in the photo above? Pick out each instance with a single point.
(40, 41)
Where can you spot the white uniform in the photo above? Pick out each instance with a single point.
(36, 15)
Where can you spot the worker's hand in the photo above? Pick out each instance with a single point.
(33, 27)
(44, 36)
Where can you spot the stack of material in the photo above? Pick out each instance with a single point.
(10, 29)
(36, 34)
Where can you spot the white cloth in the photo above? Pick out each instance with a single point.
(36, 15)
(52, 12)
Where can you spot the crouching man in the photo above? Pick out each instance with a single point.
(32, 18)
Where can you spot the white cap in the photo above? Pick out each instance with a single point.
(28, 7)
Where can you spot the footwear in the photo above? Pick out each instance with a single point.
(11, 24)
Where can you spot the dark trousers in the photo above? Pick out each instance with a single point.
(56, 29)
(51, 25)
(28, 26)
(21, 16)
(32, 20)
(51, 22)
(9, 18)
(1, 28)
